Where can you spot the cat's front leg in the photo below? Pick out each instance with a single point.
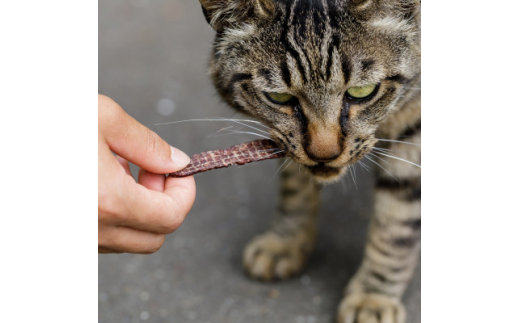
(282, 251)
(374, 293)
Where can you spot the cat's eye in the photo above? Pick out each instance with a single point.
(360, 92)
(279, 98)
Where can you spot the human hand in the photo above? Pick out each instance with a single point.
(135, 217)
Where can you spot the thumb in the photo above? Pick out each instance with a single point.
(136, 143)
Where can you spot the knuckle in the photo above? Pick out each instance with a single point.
(175, 217)
(173, 224)
(104, 101)
(155, 244)
(107, 106)
(110, 206)
(104, 240)
(166, 218)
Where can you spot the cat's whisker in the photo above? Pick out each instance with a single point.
(213, 119)
(286, 166)
(245, 125)
(380, 166)
(399, 141)
(249, 126)
(383, 149)
(364, 166)
(235, 132)
(226, 128)
(384, 161)
(220, 130)
(350, 171)
(249, 133)
(276, 173)
(276, 152)
(401, 159)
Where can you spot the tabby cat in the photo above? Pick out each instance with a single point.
(333, 80)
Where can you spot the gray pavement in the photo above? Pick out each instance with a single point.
(152, 61)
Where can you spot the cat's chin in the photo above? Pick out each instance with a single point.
(326, 174)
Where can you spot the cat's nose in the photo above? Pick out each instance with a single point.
(323, 146)
(323, 158)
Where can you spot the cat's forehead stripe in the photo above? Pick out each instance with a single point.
(286, 74)
(311, 41)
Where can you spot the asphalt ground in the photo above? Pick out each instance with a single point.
(152, 61)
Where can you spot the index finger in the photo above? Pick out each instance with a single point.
(135, 142)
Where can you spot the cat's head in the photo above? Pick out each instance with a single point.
(321, 74)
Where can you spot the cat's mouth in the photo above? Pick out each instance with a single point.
(322, 171)
(326, 173)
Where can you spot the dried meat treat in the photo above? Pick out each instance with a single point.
(245, 153)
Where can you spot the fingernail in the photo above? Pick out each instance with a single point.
(179, 158)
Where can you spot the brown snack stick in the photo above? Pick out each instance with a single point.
(241, 154)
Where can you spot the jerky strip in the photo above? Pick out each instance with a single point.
(245, 153)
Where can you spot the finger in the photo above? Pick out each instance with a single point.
(135, 142)
(107, 250)
(182, 191)
(151, 181)
(125, 164)
(122, 239)
(159, 212)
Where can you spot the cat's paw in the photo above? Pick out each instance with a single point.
(370, 308)
(269, 256)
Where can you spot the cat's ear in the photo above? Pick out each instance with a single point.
(221, 14)
(375, 9)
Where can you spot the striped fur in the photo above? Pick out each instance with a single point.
(315, 50)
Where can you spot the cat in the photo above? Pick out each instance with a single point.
(335, 81)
